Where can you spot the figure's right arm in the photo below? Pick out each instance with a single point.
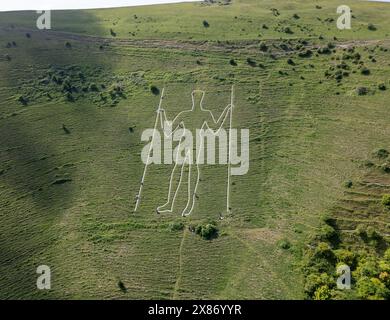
(173, 126)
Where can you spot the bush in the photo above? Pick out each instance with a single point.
(346, 257)
(284, 244)
(371, 233)
(206, 24)
(361, 91)
(381, 153)
(327, 232)
(93, 87)
(324, 50)
(287, 30)
(365, 71)
(322, 293)
(176, 226)
(372, 289)
(23, 100)
(371, 27)
(348, 184)
(382, 86)
(232, 62)
(155, 90)
(305, 54)
(361, 230)
(386, 200)
(122, 286)
(113, 33)
(263, 47)
(290, 62)
(251, 62)
(207, 231)
(68, 45)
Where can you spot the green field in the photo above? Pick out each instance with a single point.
(74, 101)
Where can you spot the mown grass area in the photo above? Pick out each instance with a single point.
(74, 103)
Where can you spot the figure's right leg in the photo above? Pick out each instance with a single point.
(174, 185)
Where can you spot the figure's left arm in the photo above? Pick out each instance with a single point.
(220, 121)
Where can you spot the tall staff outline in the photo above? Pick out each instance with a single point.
(138, 197)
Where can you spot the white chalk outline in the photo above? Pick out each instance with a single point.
(188, 155)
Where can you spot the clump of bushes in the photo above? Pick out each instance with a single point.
(305, 54)
(176, 226)
(207, 231)
(386, 200)
(381, 153)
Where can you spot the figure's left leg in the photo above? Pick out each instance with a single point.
(192, 185)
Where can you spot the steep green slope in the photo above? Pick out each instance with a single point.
(74, 103)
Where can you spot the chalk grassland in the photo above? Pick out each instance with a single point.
(75, 100)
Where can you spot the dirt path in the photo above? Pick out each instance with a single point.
(187, 45)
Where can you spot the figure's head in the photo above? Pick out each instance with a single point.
(197, 98)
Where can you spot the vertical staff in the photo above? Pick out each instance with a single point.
(138, 197)
(229, 155)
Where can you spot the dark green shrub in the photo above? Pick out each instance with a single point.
(122, 286)
(251, 62)
(155, 90)
(113, 33)
(382, 87)
(23, 100)
(263, 47)
(381, 153)
(305, 54)
(348, 184)
(93, 87)
(365, 71)
(233, 62)
(371, 27)
(206, 24)
(176, 226)
(284, 244)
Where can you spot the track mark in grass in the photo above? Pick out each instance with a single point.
(180, 269)
(61, 181)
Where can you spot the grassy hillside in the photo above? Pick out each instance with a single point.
(75, 100)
